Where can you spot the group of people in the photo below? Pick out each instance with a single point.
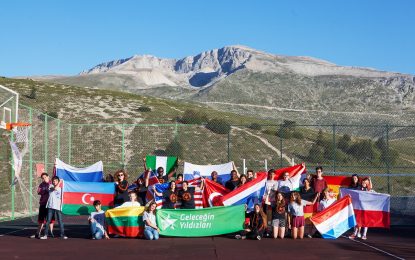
(281, 209)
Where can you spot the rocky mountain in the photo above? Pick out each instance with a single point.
(245, 80)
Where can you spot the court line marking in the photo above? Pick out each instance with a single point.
(11, 232)
(375, 248)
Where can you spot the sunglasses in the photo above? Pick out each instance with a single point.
(120, 174)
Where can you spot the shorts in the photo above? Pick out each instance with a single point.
(298, 221)
(43, 215)
(279, 222)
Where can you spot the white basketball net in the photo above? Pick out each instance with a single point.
(21, 134)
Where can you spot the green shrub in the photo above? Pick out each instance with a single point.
(144, 109)
(194, 117)
(316, 154)
(255, 126)
(174, 149)
(218, 126)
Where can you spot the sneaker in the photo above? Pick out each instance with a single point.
(309, 236)
(34, 236)
(359, 235)
(64, 237)
(238, 237)
(44, 237)
(352, 236)
(364, 237)
(258, 237)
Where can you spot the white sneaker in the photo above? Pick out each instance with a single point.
(364, 237)
(359, 235)
(238, 236)
(44, 237)
(64, 237)
(258, 237)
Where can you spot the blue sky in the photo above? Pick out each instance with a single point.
(65, 37)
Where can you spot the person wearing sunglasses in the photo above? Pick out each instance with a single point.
(121, 188)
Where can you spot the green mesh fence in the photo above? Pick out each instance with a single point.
(383, 152)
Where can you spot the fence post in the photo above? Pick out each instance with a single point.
(12, 178)
(334, 148)
(30, 160)
(281, 136)
(229, 145)
(387, 156)
(70, 144)
(45, 141)
(59, 138)
(123, 145)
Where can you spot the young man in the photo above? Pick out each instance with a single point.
(43, 191)
(233, 182)
(97, 222)
(133, 201)
(250, 174)
(187, 196)
(319, 184)
(54, 206)
(214, 176)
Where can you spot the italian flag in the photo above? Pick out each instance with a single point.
(126, 222)
(168, 163)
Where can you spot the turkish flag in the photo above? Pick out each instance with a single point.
(212, 193)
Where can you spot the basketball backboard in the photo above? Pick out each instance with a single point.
(9, 106)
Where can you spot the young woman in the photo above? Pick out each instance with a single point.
(169, 196)
(215, 178)
(366, 186)
(279, 216)
(187, 196)
(179, 178)
(285, 185)
(296, 216)
(257, 225)
(307, 193)
(327, 200)
(121, 188)
(355, 185)
(151, 231)
(242, 180)
(132, 201)
(141, 190)
(54, 207)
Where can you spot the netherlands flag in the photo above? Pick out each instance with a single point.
(249, 193)
(336, 219)
(93, 173)
(372, 209)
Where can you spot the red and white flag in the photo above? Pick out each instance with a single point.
(371, 209)
(212, 193)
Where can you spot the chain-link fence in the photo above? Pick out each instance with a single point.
(383, 152)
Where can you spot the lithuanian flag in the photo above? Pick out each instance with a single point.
(126, 222)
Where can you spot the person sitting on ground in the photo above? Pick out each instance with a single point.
(169, 196)
(355, 184)
(54, 206)
(319, 183)
(43, 191)
(251, 175)
(257, 225)
(187, 196)
(279, 216)
(151, 231)
(242, 180)
(121, 188)
(215, 178)
(233, 182)
(97, 222)
(296, 214)
(132, 201)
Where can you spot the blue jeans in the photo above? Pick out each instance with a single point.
(58, 217)
(95, 231)
(151, 233)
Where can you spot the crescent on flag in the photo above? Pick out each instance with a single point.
(84, 198)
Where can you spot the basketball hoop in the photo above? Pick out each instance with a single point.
(20, 130)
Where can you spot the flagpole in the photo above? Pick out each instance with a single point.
(266, 165)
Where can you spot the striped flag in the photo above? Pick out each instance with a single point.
(198, 192)
(154, 162)
(126, 222)
(78, 197)
(372, 209)
(223, 170)
(212, 192)
(250, 193)
(93, 173)
(336, 219)
(296, 173)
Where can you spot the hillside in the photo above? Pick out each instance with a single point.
(247, 81)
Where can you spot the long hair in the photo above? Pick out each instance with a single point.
(280, 203)
(149, 207)
(117, 177)
(262, 214)
(295, 197)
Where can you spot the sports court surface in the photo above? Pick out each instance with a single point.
(396, 243)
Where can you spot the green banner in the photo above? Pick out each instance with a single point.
(201, 222)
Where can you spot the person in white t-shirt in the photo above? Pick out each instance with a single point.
(97, 222)
(133, 201)
(151, 231)
(327, 199)
(285, 185)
